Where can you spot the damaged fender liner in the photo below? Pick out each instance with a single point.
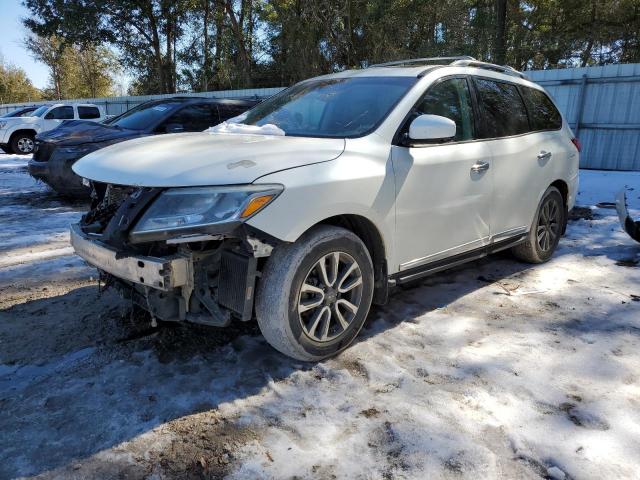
(630, 226)
(160, 273)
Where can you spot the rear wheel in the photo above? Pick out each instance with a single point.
(545, 231)
(315, 294)
(22, 143)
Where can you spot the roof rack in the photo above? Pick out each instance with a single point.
(488, 66)
(418, 61)
(461, 61)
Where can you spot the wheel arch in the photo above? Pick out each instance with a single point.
(370, 235)
(22, 130)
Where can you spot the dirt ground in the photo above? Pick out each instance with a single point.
(496, 369)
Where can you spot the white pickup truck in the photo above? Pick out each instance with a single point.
(17, 134)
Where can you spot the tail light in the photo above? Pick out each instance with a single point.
(577, 144)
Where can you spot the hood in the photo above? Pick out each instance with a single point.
(197, 159)
(78, 132)
(15, 120)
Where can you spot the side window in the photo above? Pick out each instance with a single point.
(193, 118)
(230, 111)
(503, 111)
(60, 113)
(450, 99)
(542, 112)
(87, 113)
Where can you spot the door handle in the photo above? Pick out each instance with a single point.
(544, 155)
(480, 167)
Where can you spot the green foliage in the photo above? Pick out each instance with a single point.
(196, 45)
(15, 86)
(76, 71)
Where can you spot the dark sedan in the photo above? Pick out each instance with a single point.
(57, 150)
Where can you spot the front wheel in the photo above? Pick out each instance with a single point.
(315, 294)
(545, 231)
(22, 143)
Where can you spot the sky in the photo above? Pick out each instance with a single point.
(12, 33)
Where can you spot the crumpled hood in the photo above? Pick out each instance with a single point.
(78, 132)
(197, 159)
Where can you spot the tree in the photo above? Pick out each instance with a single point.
(75, 71)
(49, 50)
(214, 44)
(15, 86)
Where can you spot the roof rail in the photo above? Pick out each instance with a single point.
(489, 66)
(418, 61)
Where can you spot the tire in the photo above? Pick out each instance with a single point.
(546, 230)
(22, 143)
(280, 300)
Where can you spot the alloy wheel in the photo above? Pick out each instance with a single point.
(549, 221)
(25, 145)
(330, 296)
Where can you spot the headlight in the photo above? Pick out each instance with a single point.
(79, 150)
(201, 210)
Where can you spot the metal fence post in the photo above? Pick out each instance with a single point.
(580, 106)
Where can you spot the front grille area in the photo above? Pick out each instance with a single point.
(43, 151)
(107, 199)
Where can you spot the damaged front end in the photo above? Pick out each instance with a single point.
(629, 225)
(183, 254)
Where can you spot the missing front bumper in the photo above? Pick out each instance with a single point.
(159, 273)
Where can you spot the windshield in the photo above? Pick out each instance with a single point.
(38, 112)
(337, 107)
(143, 116)
(16, 113)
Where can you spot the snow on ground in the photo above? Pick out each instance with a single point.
(496, 369)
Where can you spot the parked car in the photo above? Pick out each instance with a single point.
(366, 179)
(17, 133)
(21, 112)
(56, 151)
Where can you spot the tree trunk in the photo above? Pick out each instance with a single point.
(206, 63)
(501, 32)
(219, 17)
(586, 53)
(238, 32)
(157, 52)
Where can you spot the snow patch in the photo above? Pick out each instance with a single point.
(242, 129)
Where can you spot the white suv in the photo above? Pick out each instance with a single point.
(316, 202)
(17, 133)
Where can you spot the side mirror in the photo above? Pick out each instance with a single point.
(432, 127)
(49, 116)
(174, 128)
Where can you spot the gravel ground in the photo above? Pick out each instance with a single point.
(494, 370)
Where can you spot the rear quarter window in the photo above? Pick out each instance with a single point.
(542, 112)
(503, 112)
(87, 113)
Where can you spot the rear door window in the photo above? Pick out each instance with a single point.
(502, 110)
(60, 113)
(542, 112)
(194, 118)
(450, 99)
(87, 113)
(230, 111)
